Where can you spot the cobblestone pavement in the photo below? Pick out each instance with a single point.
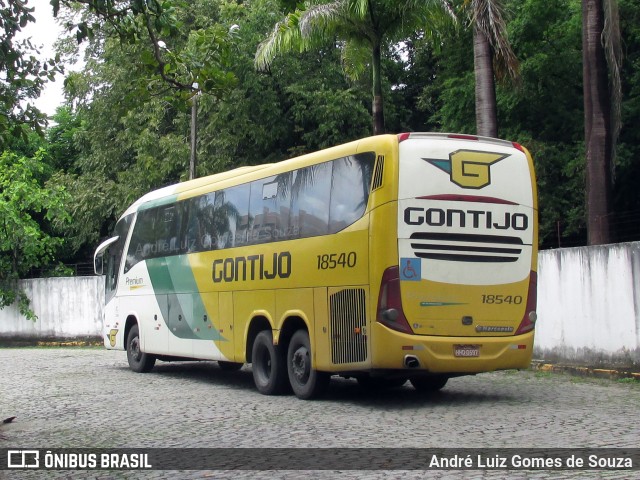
(87, 397)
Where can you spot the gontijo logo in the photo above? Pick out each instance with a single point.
(468, 168)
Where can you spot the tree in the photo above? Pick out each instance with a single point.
(22, 75)
(356, 26)
(25, 206)
(490, 44)
(600, 22)
(188, 67)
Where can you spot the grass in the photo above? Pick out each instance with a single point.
(629, 381)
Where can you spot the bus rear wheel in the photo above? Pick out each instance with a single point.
(429, 384)
(268, 365)
(305, 382)
(138, 360)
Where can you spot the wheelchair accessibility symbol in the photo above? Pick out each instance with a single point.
(410, 269)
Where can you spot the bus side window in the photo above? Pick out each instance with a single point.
(231, 215)
(111, 272)
(167, 231)
(310, 194)
(141, 238)
(269, 209)
(155, 234)
(113, 255)
(200, 229)
(350, 189)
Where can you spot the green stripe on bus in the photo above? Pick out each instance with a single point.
(158, 202)
(184, 312)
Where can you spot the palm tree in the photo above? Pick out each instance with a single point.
(355, 26)
(600, 20)
(493, 56)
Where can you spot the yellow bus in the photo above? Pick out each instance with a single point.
(387, 259)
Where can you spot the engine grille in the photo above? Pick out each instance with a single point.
(348, 323)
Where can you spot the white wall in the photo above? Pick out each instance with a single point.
(588, 306)
(67, 307)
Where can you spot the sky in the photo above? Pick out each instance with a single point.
(44, 32)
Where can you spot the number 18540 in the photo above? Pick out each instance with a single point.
(329, 261)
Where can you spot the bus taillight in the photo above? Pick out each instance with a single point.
(390, 311)
(518, 146)
(530, 315)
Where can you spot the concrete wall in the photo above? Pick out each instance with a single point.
(67, 307)
(588, 307)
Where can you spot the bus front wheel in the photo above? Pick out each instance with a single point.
(138, 360)
(268, 365)
(305, 382)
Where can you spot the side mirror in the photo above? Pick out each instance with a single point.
(98, 260)
(98, 264)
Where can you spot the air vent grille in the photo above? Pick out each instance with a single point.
(378, 173)
(348, 326)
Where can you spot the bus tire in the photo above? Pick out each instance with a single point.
(306, 382)
(268, 365)
(138, 360)
(229, 366)
(429, 384)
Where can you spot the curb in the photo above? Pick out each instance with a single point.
(51, 342)
(582, 371)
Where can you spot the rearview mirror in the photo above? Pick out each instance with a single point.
(98, 264)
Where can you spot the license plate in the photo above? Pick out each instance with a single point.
(466, 351)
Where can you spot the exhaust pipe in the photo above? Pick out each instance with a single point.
(411, 361)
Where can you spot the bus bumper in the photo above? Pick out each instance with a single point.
(113, 338)
(456, 355)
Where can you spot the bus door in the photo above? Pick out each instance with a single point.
(106, 261)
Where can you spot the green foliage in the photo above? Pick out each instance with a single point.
(60, 145)
(197, 63)
(356, 27)
(311, 111)
(22, 75)
(25, 206)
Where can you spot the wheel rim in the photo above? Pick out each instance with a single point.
(300, 365)
(134, 348)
